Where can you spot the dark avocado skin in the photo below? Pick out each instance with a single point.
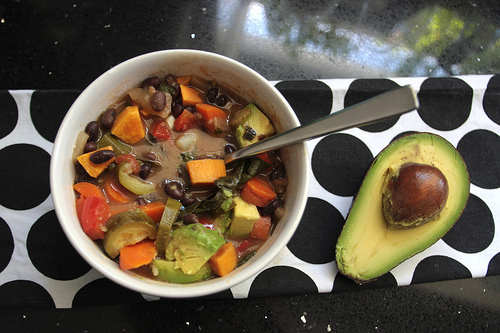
(367, 247)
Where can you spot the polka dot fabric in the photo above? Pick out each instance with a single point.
(38, 266)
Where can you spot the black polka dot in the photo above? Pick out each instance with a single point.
(310, 100)
(491, 99)
(25, 168)
(314, 240)
(6, 244)
(494, 265)
(48, 109)
(439, 268)
(282, 280)
(25, 293)
(344, 283)
(9, 113)
(51, 252)
(445, 103)
(339, 162)
(480, 150)
(363, 89)
(103, 292)
(474, 230)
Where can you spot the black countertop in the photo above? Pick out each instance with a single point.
(61, 45)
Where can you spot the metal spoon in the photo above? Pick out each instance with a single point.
(381, 107)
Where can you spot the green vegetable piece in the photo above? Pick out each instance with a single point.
(127, 228)
(119, 147)
(133, 183)
(251, 126)
(168, 218)
(223, 221)
(191, 247)
(165, 270)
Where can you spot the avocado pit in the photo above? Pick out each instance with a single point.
(413, 194)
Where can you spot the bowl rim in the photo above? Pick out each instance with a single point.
(131, 280)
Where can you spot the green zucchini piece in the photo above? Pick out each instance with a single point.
(127, 228)
(168, 218)
(133, 183)
(165, 270)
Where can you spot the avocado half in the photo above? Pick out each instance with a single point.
(367, 248)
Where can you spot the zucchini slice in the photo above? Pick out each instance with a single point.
(127, 228)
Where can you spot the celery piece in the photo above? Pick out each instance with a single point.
(168, 218)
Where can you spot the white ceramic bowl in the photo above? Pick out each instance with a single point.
(112, 85)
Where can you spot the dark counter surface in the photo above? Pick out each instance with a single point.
(65, 45)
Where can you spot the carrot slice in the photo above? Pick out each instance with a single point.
(116, 192)
(154, 210)
(224, 260)
(137, 255)
(190, 96)
(261, 227)
(88, 190)
(258, 192)
(205, 171)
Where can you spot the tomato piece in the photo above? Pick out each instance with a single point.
(244, 246)
(95, 213)
(185, 121)
(265, 157)
(261, 228)
(160, 130)
(136, 167)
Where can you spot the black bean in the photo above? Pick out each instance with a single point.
(212, 95)
(92, 130)
(145, 170)
(249, 133)
(158, 101)
(221, 100)
(229, 138)
(150, 155)
(229, 148)
(270, 207)
(141, 201)
(190, 219)
(191, 108)
(177, 108)
(108, 118)
(277, 172)
(152, 81)
(177, 94)
(80, 178)
(171, 79)
(90, 146)
(174, 189)
(188, 201)
(101, 156)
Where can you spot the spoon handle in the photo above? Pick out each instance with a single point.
(378, 108)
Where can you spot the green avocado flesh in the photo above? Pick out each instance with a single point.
(367, 248)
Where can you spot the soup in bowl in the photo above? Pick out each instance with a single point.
(140, 186)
